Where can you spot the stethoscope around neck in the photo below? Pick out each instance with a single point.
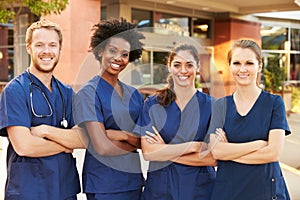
(64, 122)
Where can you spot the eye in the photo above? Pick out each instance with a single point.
(236, 63)
(112, 51)
(53, 45)
(190, 65)
(38, 45)
(176, 65)
(250, 63)
(125, 55)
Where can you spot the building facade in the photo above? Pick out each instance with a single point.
(163, 24)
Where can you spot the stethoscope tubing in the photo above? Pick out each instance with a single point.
(64, 122)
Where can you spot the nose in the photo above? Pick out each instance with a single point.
(117, 57)
(183, 69)
(243, 68)
(46, 48)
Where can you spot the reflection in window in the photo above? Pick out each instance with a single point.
(201, 28)
(295, 67)
(295, 39)
(154, 72)
(168, 23)
(274, 37)
(143, 18)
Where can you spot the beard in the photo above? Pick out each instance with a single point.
(43, 69)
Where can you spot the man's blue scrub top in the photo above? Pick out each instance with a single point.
(51, 177)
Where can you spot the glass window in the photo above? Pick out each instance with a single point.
(274, 37)
(168, 23)
(295, 67)
(6, 52)
(103, 13)
(201, 28)
(152, 67)
(143, 18)
(295, 39)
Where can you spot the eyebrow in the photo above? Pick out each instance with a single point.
(116, 47)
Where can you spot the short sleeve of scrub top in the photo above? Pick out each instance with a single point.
(13, 107)
(278, 120)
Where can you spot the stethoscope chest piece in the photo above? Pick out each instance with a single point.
(64, 123)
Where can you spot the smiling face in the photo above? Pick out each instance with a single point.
(244, 66)
(115, 56)
(44, 49)
(183, 69)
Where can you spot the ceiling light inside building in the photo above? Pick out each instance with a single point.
(203, 27)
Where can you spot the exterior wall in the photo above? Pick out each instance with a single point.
(4, 54)
(76, 22)
(226, 31)
(77, 36)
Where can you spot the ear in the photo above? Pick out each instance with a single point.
(100, 53)
(169, 67)
(28, 49)
(198, 67)
(260, 68)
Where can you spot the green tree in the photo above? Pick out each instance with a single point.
(274, 75)
(10, 9)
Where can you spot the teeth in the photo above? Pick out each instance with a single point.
(115, 65)
(46, 59)
(182, 77)
(243, 76)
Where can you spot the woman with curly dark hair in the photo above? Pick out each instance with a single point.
(108, 109)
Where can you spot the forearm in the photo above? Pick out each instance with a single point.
(74, 138)
(102, 144)
(124, 136)
(26, 144)
(45, 148)
(231, 151)
(262, 156)
(193, 159)
(267, 154)
(165, 152)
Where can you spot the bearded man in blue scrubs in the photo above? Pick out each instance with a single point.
(36, 116)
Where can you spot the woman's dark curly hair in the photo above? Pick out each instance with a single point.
(117, 28)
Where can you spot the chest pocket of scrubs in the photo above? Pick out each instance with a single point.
(278, 189)
(25, 182)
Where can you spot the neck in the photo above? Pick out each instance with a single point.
(44, 77)
(184, 92)
(247, 93)
(111, 79)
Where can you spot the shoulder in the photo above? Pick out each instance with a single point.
(65, 87)
(90, 85)
(274, 98)
(132, 90)
(151, 100)
(18, 84)
(204, 97)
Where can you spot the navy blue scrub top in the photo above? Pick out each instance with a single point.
(173, 181)
(51, 177)
(237, 181)
(97, 101)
